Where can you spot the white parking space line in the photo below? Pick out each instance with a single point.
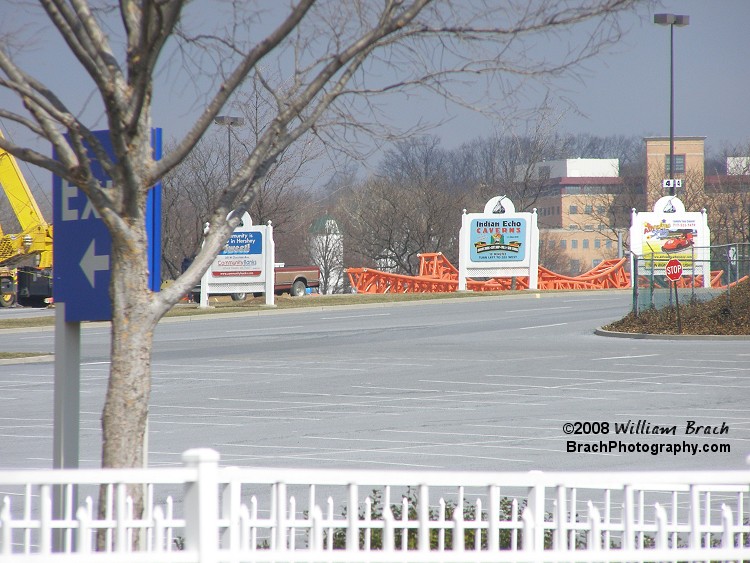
(504, 392)
(691, 365)
(356, 316)
(625, 357)
(265, 329)
(411, 445)
(552, 428)
(222, 411)
(491, 436)
(292, 405)
(153, 421)
(538, 309)
(556, 378)
(541, 326)
(434, 399)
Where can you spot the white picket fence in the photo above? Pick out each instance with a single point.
(203, 513)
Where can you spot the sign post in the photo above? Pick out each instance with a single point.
(673, 270)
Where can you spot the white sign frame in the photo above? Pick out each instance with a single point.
(221, 278)
(498, 243)
(650, 232)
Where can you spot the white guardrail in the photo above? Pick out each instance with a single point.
(202, 513)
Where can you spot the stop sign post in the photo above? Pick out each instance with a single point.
(673, 270)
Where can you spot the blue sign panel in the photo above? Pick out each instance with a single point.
(244, 242)
(498, 240)
(83, 246)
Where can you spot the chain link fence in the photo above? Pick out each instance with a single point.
(701, 280)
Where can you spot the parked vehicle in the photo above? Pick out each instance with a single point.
(26, 256)
(294, 280)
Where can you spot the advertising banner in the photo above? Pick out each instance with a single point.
(498, 240)
(241, 257)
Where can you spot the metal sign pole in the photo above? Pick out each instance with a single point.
(67, 410)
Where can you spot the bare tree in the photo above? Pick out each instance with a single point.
(388, 224)
(190, 191)
(337, 58)
(507, 163)
(326, 244)
(552, 254)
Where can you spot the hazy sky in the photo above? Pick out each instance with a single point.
(623, 92)
(626, 92)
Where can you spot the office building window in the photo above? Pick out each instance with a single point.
(597, 243)
(563, 244)
(608, 244)
(589, 209)
(552, 244)
(585, 243)
(679, 164)
(574, 243)
(573, 209)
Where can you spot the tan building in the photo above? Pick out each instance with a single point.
(583, 213)
(584, 205)
(726, 198)
(689, 159)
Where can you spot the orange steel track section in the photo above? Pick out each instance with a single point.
(438, 275)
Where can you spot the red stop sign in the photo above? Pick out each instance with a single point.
(674, 269)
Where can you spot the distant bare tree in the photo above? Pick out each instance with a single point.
(389, 224)
(551, 253)
(326, 244)
(189, 192)
(506, 164)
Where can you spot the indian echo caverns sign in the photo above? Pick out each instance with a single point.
(498, 243)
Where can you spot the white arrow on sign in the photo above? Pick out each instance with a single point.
(91, 263)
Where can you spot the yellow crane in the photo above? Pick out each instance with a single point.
(26, 256)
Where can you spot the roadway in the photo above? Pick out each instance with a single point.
(480, 384)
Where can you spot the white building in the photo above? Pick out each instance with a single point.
(574, 168)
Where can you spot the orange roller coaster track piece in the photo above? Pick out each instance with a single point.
(438, 275)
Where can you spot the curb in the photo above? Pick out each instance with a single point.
(41, 359)
(647, 336)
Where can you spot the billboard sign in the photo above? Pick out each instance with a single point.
(499, 242)
(245, 264)
(669, 232)
(241, 257)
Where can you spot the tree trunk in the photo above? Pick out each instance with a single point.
(128, 392)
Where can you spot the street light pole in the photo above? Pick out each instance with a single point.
(229, 121)
(671, 20)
